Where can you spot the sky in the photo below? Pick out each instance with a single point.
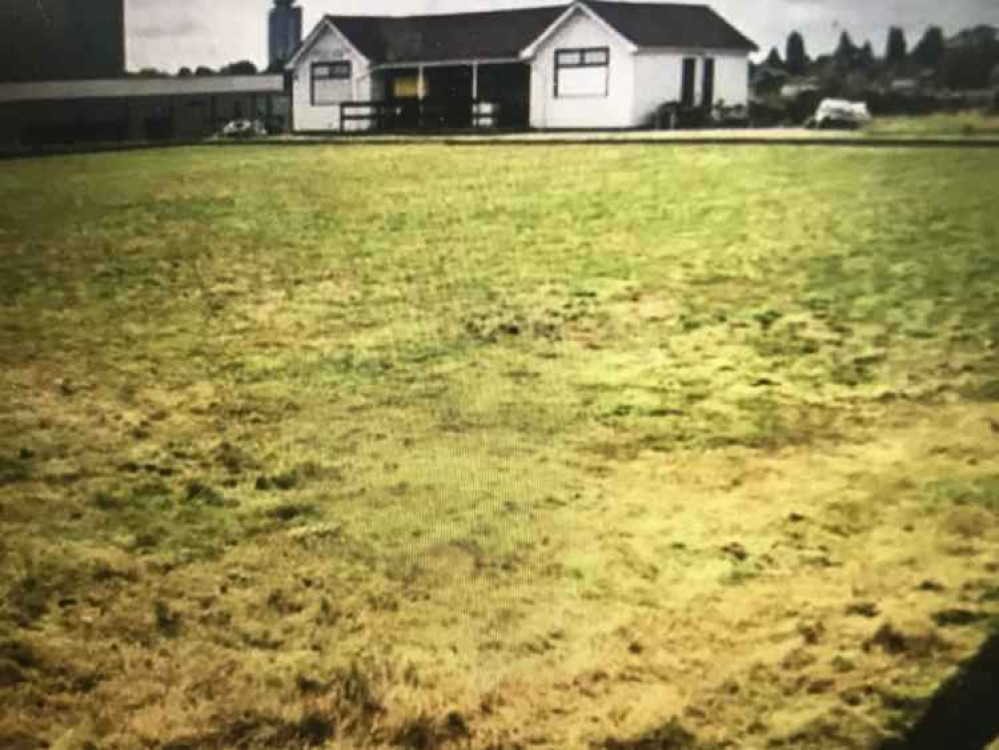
(170, 34)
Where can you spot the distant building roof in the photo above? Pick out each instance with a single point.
(794, 89)
(116, 88)
(507, 33)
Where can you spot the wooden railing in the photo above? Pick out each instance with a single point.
(383, 116)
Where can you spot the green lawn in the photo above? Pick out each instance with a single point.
(970, 124)
(504, 447)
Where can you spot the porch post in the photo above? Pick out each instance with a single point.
(476, 122)
(420, 84)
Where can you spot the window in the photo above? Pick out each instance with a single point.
(406, 87)
(582, 72)
(708, 86)
(688, 79)
(328, 80)
(331, 71)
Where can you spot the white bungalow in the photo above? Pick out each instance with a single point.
(591, 64)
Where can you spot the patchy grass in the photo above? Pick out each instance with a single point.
(969, 124)
(579, 447)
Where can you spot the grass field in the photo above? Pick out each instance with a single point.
(619, 447)
(970, 124)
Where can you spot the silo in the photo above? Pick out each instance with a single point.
(285, 31)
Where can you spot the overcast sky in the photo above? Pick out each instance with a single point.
(170, 33)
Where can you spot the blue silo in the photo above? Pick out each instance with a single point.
(285, 31)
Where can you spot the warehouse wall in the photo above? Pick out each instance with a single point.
(148, 118)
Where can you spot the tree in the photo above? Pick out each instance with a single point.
(930, 50)
(897, 49)
(797, 58)
(201, 71)
(846, 51)
(865, 58)
(966, 69)
(241, 68)
(773, 59)
(185, 72)
(970, 57)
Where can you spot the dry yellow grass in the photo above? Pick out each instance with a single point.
(498, 448)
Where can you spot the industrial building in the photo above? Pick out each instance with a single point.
(63, 80)
(137, 109)
(61, 40)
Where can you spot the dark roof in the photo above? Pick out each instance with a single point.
(461, 36)
(671, 25)
(505, 33)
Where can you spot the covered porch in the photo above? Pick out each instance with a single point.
(437, 96)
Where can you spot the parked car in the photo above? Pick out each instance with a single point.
(243, 129)
(839, 114)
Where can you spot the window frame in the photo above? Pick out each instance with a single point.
(580, 55)
(337, 70)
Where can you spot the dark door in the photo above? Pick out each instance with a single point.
(402, 93)
(458, 112)
(687, 82)
(509, 87)
(708, 90)
(448, 103)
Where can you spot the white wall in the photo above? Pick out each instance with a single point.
(657, 81)
(732, 78)
(330, 47)
(613, 111)
(658, 78)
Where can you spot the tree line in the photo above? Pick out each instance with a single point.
(965, 65)
(240, 68)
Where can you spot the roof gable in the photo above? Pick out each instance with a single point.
(325, 26)
(576, 8)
